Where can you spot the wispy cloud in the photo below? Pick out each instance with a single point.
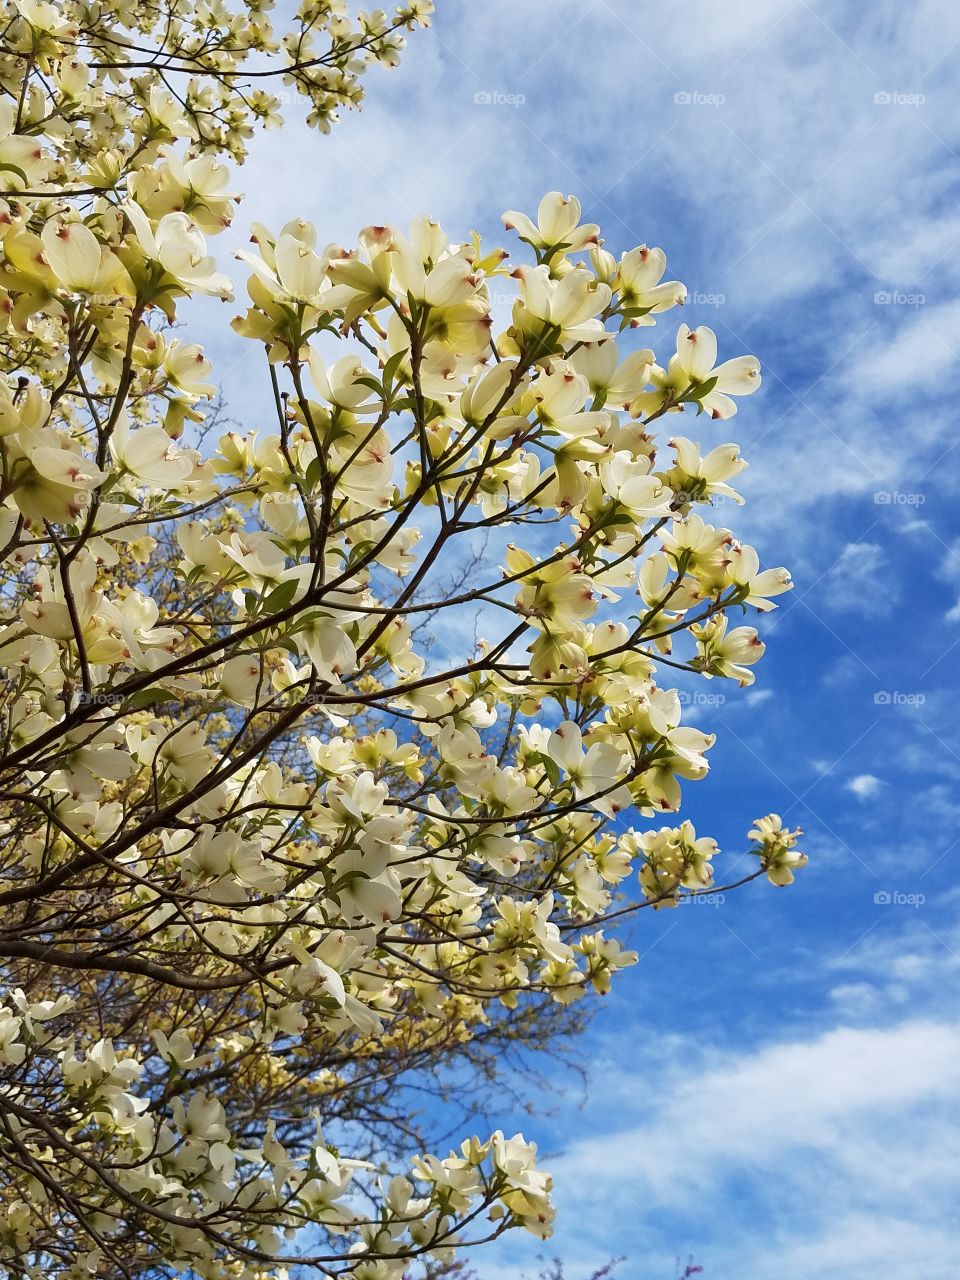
(827, 1156)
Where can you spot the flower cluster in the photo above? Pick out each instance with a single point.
(263, 840)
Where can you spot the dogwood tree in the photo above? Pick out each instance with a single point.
(268, 849)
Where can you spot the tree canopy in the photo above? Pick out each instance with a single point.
(333, 747)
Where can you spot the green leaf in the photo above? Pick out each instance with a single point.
(698, 390)
(372, 383)
(551, 768)
(359, 550)
(391, 367)
(634, 313)
(149, 698)
(281, 596)
(7, 167)
(314, 473)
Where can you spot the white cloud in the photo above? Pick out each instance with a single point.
(864, 786)
(827, 1157)
(913, 956)
(751, 1108)
(926, 340)
(859, 581)
(845, 671)
(755, 697)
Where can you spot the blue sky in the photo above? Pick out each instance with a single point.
(776, 1085)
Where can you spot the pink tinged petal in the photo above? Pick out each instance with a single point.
(519, 222)
(772, 582)
(614, 802)
(578, 425)
(141, 227)
(670, 294)
(722, 462)
(557, 216)
(62, 466)
(73, 252)
(565, 746)
(642, 269)
(299, 268)
(582, 237)
(535, 283)
(697, 351)
(719, 406)
(739, 377)
(260, 268)
(688, 455)
(746, 565)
